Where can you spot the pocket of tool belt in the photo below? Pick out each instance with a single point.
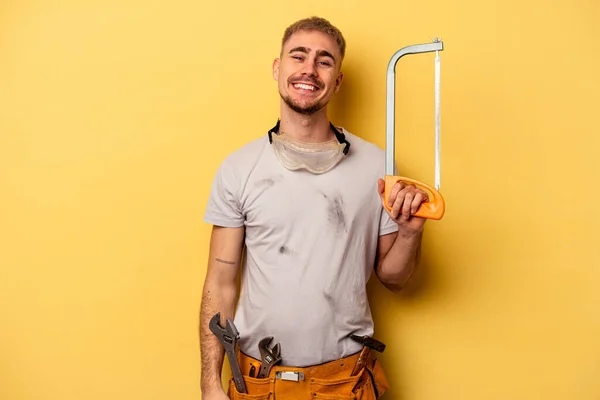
(341, 388)
(258, 389)
(369, 384)
(375, 382)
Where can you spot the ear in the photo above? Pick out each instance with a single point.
(338, 82)
(276, 68)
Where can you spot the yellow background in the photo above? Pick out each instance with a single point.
(115, 115)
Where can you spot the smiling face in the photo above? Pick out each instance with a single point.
(308, 72)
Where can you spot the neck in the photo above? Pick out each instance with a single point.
(306, 128)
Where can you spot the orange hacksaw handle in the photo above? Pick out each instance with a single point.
(433, 209)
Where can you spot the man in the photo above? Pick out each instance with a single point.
(305, 202)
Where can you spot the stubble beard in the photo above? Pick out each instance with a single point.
(302, 109)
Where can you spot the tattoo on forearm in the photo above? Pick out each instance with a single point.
(225, 262)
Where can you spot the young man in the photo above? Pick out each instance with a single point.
(305, 202)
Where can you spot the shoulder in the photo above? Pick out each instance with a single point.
(360, 144)
(244, 157)
(362, 149)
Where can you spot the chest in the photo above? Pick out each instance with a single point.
(284, 199)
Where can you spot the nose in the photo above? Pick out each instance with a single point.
(309, 68)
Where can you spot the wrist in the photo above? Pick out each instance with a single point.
(407, 234)
(210, 386)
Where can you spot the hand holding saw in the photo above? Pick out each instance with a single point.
(434, 208)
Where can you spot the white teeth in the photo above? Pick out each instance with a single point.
(304, 86)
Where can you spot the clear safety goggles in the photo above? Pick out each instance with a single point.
(317, 158)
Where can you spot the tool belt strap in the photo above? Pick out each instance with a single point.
(330, 370)
(321, 381)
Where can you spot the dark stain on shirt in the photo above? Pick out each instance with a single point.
(329, 298)
(265, 183)
(335, 212)
(283, 250)
(262, 185)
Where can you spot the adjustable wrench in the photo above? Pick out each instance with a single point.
(228, 337)
(269, 357)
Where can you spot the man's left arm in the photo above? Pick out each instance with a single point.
(398, 254)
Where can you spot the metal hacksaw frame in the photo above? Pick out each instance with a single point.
(434, 208)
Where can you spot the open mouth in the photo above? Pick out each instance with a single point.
(305, 86)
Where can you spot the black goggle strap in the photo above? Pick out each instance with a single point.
(341, 138)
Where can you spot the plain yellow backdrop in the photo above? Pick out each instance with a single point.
(114, 116)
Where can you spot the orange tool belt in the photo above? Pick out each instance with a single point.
(332, 380)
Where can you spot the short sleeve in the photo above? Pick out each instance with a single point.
(223, 208)
(386, 224)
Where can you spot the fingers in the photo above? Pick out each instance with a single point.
(405, 200)
(419, 198)
(394, 194)
(409, 196)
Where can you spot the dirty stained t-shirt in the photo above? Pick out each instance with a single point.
(310, 241)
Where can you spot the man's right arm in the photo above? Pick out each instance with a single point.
(218, 295)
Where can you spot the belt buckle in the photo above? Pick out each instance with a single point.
(289, 376)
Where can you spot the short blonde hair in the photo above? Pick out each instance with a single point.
(316, 24)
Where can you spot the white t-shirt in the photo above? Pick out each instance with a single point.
(311, 242)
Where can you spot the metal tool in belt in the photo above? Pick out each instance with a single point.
(434, 208)
(269, 356)
(228, 337)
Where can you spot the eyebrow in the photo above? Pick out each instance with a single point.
(320, 53)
